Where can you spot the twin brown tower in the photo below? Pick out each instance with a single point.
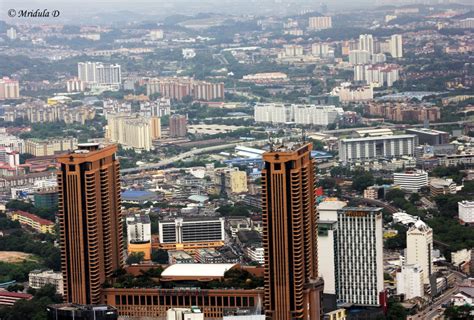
(91, 228)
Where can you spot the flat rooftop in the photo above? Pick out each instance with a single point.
(215, 270)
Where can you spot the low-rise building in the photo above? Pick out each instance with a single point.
(411, 181)
(37, 279)
(442, 186)
(466, 212)
(8, 298)
(33, 221)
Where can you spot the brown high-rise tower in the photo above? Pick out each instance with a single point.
(90, 220)
(292, 287)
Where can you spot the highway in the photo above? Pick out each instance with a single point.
(395, 126)
(165, 162)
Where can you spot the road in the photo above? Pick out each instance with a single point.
(432, 311)
(395, 126)
(184, 155)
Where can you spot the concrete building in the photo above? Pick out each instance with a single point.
(238, 181)
(9, 89)
(419, 248)
(411, 181)
(366, 149)
(366, 42)
(187, 233)
(133, 131)
(74, 311)
(320, 50)
(99, 73)
(297, 113)
(359, 57)
(156, 34)
(466, 212)
(75, 85)
(293, 289)
(320, 23)
(11, 33)
(90, 220)
(410, 281)
(138, 228)
(178, 126)
(359, 256)
(33, 222)
(37, 279)
(49, 147)
(352, 93)
(429, 136)
(396, 46)
(439, 186)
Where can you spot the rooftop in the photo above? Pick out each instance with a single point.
(197, 270)
(34, 217)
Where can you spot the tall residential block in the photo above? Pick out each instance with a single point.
(419, 248)
(359, 265)
(320, 23)
(178, 126)
(396, 46)
(366, 42)
(292, 287)
(9, 88)
(90, 220)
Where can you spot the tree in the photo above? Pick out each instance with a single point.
(459, 313)
(394, 194)
(135, 257)
(362, 180)
(160, 256)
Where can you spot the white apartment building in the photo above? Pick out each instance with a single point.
(315, 115)
(411, 181)
(297, 113)
(419, 248)
(368, 149)
(320, 23)
(396, 46)
(366, 42)
(327, 232)
(75, 85)
(255, 254)
(410, 281)
(320, 49)
(11, 33)
(359, 57)
(138, 228)
(39, 278)
(359, 256)
(466, 211)
(99, 73)
(133, 131)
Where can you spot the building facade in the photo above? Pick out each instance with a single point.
(410, 281)
(189, 233)
(366, 149)
(466, 211)
(90, 220)
(178, 126)
(359, 257)
(411, 181)
(419, 248)
(37, 279)
(292, 287)
(49, 147)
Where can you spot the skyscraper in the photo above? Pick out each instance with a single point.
(359, 256)
(178, 126)
(90, 220)
(419, 247)
(396, 46)
(292, 287)
(366, 42)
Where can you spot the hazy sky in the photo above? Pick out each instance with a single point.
(71, 8)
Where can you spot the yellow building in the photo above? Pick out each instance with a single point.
(133, 131)
(38, 147)
(238, 181)
(33, 221)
